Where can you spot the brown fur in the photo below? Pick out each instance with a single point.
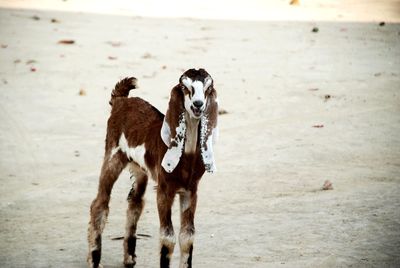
(175, 108)
(141, 124)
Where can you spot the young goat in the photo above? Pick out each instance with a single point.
(175, 150)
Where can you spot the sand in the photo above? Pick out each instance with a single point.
(302, 108)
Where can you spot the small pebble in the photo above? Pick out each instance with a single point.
(327, 185)
(315, 30)
(222, 111)
(82, 92)
(147, 56)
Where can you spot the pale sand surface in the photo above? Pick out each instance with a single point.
(263, 208)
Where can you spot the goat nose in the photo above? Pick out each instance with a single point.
(198, 103)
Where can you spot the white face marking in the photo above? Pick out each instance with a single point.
(197, 90)
(166, 133)
(187, 82)
(207, 83)
(134, 153)
(188, 104)
(198, 94)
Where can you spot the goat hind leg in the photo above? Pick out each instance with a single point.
(135, 208)
(110, 171)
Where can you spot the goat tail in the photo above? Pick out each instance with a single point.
(122, 88)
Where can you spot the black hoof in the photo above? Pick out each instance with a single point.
(96, 255)
(164, 260)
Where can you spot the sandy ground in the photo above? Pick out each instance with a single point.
(277, 81)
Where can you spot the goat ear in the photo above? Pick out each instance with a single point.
(173, 130)
(209, 132)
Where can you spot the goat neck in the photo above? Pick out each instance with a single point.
(192, 130)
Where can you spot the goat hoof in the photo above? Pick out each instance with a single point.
(130, 264)
(92, 265)
(130, 261)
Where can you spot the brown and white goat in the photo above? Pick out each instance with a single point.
(175, 150)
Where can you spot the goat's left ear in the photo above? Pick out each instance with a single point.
(209, 131)
(173, 130)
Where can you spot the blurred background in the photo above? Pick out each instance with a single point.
(259, 10)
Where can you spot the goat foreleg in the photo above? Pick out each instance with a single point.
(167, 235)
(188, 202)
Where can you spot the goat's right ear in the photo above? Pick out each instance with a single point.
(209, 131)
(173, 130)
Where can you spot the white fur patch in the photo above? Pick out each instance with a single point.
(167, 240)
(207, 83)
(174, 153)
(166, 133)
(185, 241)
(198, 91)
(171, 158)
(134, 153)
(187, 104)
(114, 151)
(187, 82)
(207, 154)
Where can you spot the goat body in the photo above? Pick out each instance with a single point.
(175, 150)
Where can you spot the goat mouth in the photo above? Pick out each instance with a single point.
(196, 111)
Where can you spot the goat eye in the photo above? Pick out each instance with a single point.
(187, 91)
